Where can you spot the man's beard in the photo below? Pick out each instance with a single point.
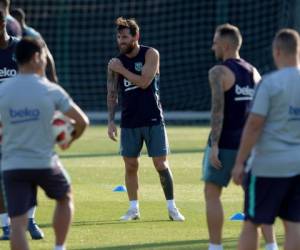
(127, 50)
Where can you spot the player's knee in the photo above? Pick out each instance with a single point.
(212, 192)
(67, 200)
(131, 167)
(160, 163)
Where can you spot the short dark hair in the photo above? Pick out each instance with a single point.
(18, 13)
(288, 41)
(5, 3)
(232, 32)
(27, 47)
(131, 24)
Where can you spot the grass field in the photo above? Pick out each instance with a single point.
(96, 168)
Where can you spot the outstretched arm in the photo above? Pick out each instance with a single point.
(216, 76)
(112, 102)
(150, 69)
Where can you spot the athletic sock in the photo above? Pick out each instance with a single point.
(31, 212)
(4, 220)
(61, 247)
(134, 204)
(171, 204)
(215, 247)
(166, 181)
(271, 246)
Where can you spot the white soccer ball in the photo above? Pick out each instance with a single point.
(63, 130)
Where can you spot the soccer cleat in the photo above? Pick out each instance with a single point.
(175, 215)
(132, 214)
(35, 232)
(6, 233)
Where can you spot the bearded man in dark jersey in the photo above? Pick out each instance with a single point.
(136, 73)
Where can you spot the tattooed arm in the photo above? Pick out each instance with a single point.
(216, 79)
(149, 70)
(112, 102)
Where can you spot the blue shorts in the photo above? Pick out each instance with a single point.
(266, 198)
(155, 138)
(222, 176)
(20, 187)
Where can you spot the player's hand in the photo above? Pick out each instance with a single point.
(214, 157)
(115, 65)
(238, 173)
(112, 131)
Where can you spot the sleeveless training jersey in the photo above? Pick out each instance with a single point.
(237, 103)
(140, 107)
(8, 64)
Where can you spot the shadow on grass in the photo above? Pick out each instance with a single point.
(229, 243)
(107, 222)
(89, 155)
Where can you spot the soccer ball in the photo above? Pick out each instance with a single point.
(63, 129)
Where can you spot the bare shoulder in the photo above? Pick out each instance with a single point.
(218, 72)
(152, 52)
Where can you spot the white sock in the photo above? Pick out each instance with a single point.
(134, 204)
(4, 220)
(62, 247)
(31, 212)
(215, 247)
(271, 246)
(171, 204)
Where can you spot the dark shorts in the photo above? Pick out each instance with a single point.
(220, 177)
(155, 138)
(20, 187)
(266, 198)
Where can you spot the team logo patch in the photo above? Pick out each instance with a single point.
(138, 66)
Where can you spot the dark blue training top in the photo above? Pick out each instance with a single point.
(8, 64)
(237, 103)
(140, 107)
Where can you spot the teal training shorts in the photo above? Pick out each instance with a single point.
(155, 138)
(220, 177)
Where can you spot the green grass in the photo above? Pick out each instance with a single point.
(96, 168)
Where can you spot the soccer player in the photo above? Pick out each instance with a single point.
(8, 68)
(232, 86)
(136, 73)
(272, 133)
(12, 26)
(27, 105)
(19, 15)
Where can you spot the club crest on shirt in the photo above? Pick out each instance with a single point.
(138, 66)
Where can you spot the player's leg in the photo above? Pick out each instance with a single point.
(215, 180)
(269, 236)
(292, 235)
(18, 233)
(249, 237)
(166, 179)
(4, 219)
(20, 196)
(56, 184)
(158, 148)
(130, 148)
(132, 185)
(214, 213)
(62, 218)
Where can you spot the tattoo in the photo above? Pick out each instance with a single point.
(217, 103)
(112, 94)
